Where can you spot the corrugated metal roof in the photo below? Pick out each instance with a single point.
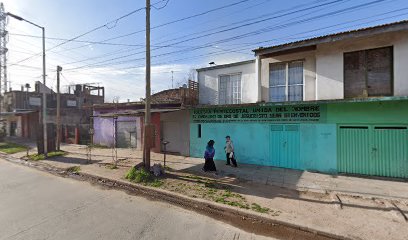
(225, 65)
(388, 27)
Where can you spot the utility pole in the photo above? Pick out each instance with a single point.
(44, 98)
(148, 128)
(3, 47)
(43, 120)
(59, 69)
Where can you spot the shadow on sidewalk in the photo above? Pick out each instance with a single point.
(228, 178)
(72, 160)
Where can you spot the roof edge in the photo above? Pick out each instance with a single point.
(361, 32)
(225, 65)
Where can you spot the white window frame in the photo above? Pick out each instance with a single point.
(232, 88)
(287, 79)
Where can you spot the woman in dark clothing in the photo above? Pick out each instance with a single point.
(209, 153)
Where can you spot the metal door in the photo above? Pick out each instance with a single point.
(285, 146)
(390, 151)
(277, 145)
(373, 150)
(292, 145)
(354, 149)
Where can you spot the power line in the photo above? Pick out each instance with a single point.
(165, 5)
(174, 21)
(229, 29)
(106, 25)
(223, 52)
(257, 32)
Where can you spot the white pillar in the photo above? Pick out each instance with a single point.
(258, 74)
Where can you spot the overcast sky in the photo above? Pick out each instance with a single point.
(186, 34)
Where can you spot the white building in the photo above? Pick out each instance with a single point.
(368, 62)
(233, 83)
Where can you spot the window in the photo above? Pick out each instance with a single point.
(229, 89)
(368, 73)
(286, 82)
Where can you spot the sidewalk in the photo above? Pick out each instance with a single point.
(357, 208)
(280, 177)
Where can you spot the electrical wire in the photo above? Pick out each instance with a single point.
(106, 25)
(252, 33)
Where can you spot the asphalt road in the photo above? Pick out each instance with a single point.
(37, 205)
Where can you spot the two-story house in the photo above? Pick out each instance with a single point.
(335, 103)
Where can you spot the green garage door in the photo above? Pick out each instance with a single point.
(285, 146)
(373, 150)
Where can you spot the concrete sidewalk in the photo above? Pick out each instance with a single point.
(280, 177)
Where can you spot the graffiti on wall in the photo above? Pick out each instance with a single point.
(288, 113)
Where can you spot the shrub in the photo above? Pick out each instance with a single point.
(74, 169)
(143, 176)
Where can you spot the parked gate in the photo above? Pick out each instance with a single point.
(285, 146)
(373, 150)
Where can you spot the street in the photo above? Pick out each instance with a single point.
(37, 205)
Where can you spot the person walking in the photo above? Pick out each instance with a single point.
(229, 150)
(209, 165)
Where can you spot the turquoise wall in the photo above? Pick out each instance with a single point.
(316, 147)
(252, 144)
(250, 141)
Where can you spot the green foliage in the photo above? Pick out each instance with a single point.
(232, 203)
(111, 166)
(143, 176)
(258, 208)
(131, 174)
(11, 148)
(56, 154)
(38, 157)
(74, 169)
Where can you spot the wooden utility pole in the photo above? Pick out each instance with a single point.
(147, 127)
(59, 69)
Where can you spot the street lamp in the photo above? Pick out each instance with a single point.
(44, 102)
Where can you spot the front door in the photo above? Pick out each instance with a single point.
(285, 146)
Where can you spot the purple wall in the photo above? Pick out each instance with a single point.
(104, 129)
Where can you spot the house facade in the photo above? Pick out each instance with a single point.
(121, 125)
(20, 112)
(233, 83)
(363, 63)
(335, 104)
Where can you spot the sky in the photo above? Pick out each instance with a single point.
(109, 44)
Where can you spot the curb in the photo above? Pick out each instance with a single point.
(242, 219)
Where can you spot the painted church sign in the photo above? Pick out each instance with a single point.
(281, 113)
